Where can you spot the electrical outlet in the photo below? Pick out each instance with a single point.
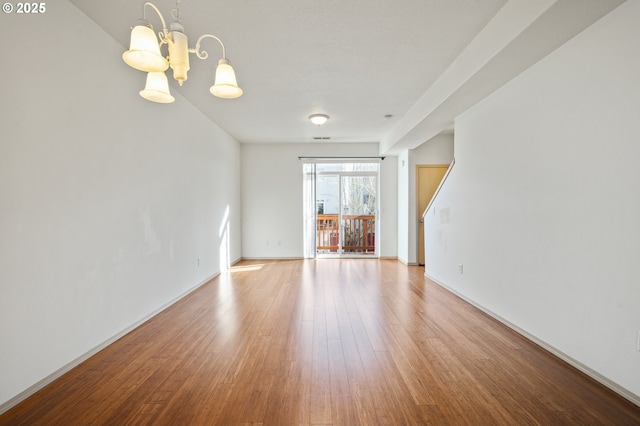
(266, 243)
(279, 243)
(461, 268)
(638, 342)
(198, 261)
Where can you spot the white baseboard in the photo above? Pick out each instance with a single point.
(406, 262)
(68, 367)
(272, 258)
(623, 392)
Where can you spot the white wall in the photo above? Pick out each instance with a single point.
(272, 197)
(389, 208)
(106, 200)
(543, 207)
(403, 206)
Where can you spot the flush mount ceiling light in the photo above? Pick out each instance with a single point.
(318, 119)
(144, 55)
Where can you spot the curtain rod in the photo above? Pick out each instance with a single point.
(339, 158)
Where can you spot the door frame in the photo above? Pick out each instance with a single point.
(340, 253)
(340, 174)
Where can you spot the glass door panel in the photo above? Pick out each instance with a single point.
(358, 214)
(327, 214)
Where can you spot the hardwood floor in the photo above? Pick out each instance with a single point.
(323, 342)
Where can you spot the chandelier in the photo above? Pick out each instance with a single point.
(144, 55)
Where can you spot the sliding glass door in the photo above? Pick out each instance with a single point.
(345, 209)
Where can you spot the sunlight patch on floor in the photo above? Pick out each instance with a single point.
(246, 268)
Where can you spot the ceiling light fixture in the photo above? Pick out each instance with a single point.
(144, 55)
(318, 119)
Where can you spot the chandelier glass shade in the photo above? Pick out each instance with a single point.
(144, 51)
(225, 85)
(157, 88)
(145, 54)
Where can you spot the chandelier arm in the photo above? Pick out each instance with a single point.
(203, 54)
(165, 31)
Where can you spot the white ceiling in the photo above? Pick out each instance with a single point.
(355, 60)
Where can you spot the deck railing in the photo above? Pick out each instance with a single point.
(359, 233)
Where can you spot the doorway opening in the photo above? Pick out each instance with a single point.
(428, 178)
(340, 208)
